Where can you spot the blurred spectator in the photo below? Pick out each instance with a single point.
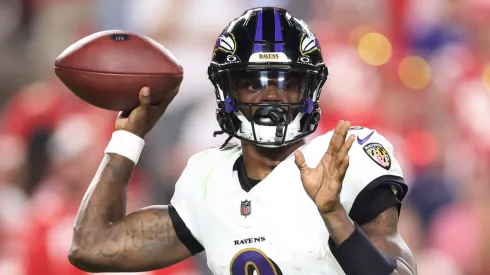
(416, 71)
(461, 230)
(55, 25)
(429, 261)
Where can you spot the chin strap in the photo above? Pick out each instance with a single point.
(273, 116)
(280, 132)
(269, 133)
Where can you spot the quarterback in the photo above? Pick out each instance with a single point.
(273, 204)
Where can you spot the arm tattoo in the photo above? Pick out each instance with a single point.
(144, 232)
(383, 232)
(387, 222)
(384, 224)
(106, 240)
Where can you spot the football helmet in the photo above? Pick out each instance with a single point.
(268, 72)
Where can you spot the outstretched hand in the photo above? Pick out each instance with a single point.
(323, 183)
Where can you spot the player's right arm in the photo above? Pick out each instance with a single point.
(105, 239)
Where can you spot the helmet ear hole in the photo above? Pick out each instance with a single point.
(221, 117)
(213, 73)
(223, 121)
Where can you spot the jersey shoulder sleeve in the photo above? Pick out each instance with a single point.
(190, 189)
(372, 165)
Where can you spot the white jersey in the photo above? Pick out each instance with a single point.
(275, 227)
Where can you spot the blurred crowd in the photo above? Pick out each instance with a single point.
(417, 71)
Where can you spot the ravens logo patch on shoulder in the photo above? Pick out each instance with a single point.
(378, 154)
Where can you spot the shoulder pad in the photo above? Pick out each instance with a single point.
(201, 165)
(371, 160)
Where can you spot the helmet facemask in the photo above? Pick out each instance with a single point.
(269, 107)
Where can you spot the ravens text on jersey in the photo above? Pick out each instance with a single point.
(293, 237)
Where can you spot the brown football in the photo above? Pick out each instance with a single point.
(108, 69)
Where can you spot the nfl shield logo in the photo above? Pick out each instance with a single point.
(246, 208)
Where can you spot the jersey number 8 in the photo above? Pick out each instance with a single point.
(248, 260)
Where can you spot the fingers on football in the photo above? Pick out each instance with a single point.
(338, 140)
(300, 161)
(144, 97)
(123, 114)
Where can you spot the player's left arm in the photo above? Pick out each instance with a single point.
(383, 233)
(372, 248)
(360, 208)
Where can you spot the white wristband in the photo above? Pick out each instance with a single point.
(126, 144)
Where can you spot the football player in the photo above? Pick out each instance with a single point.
(273, 205)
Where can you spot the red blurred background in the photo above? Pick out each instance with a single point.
(417, 71)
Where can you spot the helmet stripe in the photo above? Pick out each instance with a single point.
(258, 33)
(279, 47)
